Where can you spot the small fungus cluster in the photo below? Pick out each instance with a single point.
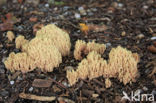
(45, 51)
(122, 64)
(81, 47)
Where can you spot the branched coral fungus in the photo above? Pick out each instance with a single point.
(44, 51)
(91, 67)
(10, 35)
(80, 46)
(59, 37)
(108, 83)
(83, 47)
(122, 64)
(20, 41)
(19, 61)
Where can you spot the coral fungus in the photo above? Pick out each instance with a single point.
(10, 36)
(122, 64)
(45, 51)
(19, 61)
(108, 83)
(80, 46)
(83, 47)
(20, 41)
(59, 38)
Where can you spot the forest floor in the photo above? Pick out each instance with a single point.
(129, 23)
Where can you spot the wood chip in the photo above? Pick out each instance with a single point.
(97, 28)
(41, 83)
(66, 100)
(15, 75)
(33, 19)
(35, 97)
(95, 95)
(87, 92)
(152, 48)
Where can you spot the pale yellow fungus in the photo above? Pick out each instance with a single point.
(81, 47)
(122, 64)
(10, 35)
(45, 51)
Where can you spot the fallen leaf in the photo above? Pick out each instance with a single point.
(97, 28)
(33, 19)
(6, 26)
(61, 101)
(41, 83)
(20, 1)
(8, 22)
(36, 27)
(91, 27)
(152, 48)
(84, 28)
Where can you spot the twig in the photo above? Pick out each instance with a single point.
(98, 19)
(65, 100)
(35, 97)
(58, 83)
(70, 23)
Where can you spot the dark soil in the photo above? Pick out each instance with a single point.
(135, 17)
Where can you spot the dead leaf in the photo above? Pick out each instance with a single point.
(152, 48)
(84, 28)
(97, 28)
(91, 27)
(33, 19)
(20, 1)
(8, 22)
(6, 26)
(41, 83)
(36, 27)
(61, 101)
